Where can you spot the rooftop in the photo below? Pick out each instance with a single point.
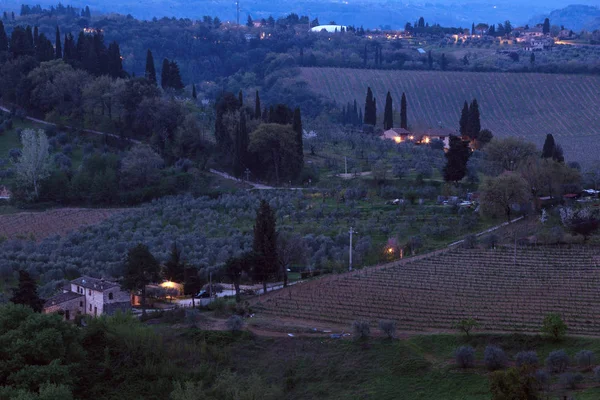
(61, 298)
(94, 283)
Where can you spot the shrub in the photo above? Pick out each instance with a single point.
(557, 361)
(585, 359)
(465, 356)
(554, 327)
(234, 323)
(470, 242)
(597, 374)
(542, 378)
(527, 358)
(14, 154)
(67, 149)
(494, 357)
(361, 329)
(569, 380)
(491, 241)
(388, 327)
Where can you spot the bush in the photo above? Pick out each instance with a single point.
(585, 359)
(597, 374)
(361, 329)
(470, 242)
(569, 380)
(527, 358)
(542, 378)
(494, 357)
(467, 325)
(67, 149)
(491, 241)
(557, 361)
(554, 327)
(14, 154)
(234, 323)
(465, 356)
(388, 327)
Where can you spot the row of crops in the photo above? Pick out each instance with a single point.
(502, 291)
(529, 105)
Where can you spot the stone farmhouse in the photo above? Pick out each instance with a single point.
(88, 296)
(400, 135)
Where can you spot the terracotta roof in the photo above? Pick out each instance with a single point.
(61, 298)
(94, 283)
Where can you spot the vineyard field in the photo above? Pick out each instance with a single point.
(528, 105)
(40, 225)
(433, 293)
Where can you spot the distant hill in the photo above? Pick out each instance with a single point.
(576, 17)
(529, 105)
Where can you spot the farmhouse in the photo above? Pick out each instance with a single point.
(400, 135)
(88, 296)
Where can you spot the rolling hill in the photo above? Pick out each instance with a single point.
(527, 104)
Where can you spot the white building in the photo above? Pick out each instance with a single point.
(89, 296)
(328, 28)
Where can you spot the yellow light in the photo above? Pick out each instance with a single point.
(426, 139)
(411, 137)
(390, 250)
(398, 139)
(168, 284)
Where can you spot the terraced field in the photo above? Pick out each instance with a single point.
(40, 225)
(433, 293)
(511, 104)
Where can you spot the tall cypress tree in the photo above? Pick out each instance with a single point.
(474, 126)
(403, 113)
(265, 244)
(194, 94)
(464, 120)
(58, 46)
(30, 40)
(3, 38)
(150, 70)
(546, 26)
(165, 74)
(297, 127)
(257, 113)
(456, 159)
(549, 146)
(36, 36)
(370, 117)
(115, 64)
(26, 293)
(241, 98)
(388, 115)
(175, 76)
(240, 146)
(354, 117)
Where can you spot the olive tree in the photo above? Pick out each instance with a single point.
(501, 193)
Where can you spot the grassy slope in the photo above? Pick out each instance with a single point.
(530, 105)
(420, 367)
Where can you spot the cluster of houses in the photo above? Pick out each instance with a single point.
(401, 135)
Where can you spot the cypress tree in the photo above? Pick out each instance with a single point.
(374, 111)
(360, 117)
(265, 115)
(257, 106)
(58, 49)
(456, 159)
(370, 118)
(546, 27)
(30, 41)
(175, 76)
(549, 147)
(241, 146)
(403, 113)
(165, 74)
(36, 36)
(271, 117)
(88, 13)
(265, 244)
(241, 98)
(464, 120)
(388, 116)
(150, 70)
(297, 127)
(474, 126)
(194, 94)
(115, 64)
(26, 293)
(473, 29)
(430, 60)
(354, 119)
(3, 38)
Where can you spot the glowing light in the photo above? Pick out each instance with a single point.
(168, 285)
(426, 139)
(398, 139)
(390, 250)
(411, 137)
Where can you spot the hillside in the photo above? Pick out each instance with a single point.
(575, 17)
(528, 105)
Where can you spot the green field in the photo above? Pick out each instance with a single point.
(528, 105)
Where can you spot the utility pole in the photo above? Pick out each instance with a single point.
(237, 6)
(351, 232)
(346, 164)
